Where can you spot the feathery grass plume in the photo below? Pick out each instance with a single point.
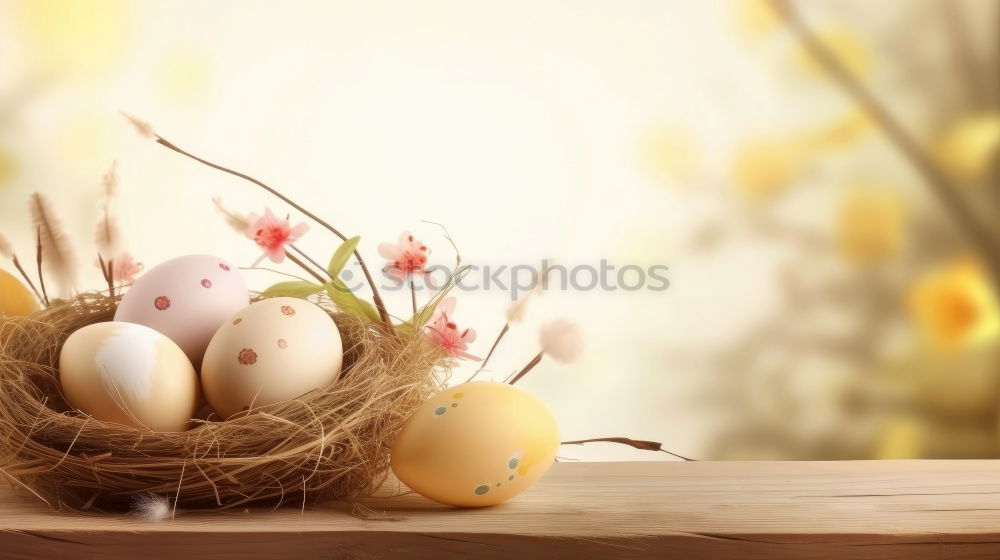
(237, 221)
(109, 182)
(108, 235)
(6, 249)
(57, 253)
(142, 127)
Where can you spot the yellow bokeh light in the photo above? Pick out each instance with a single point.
(671, 155)
(870, 224)
(74, 38)
(956, 306)
(756, 18)
(841, 132)
(899, 438)
(969, 147)
(763, 168)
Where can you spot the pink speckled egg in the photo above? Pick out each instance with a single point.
(187, 299)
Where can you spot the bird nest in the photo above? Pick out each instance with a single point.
(331, 443)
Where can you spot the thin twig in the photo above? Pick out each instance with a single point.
(111, 277)
(506, 327)
(276, 271)
(107, 269)
(379, 304)
(38, 261)
(413, 296)
(104, 267)
(636, 443)
(17, 264)
(941, 186)
(531, 365)
(306, 268)
(311, 261)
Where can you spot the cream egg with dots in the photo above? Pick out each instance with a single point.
(273, 351)
(476, 444)
(187, 299)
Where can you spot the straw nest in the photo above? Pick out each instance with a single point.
(332, 443)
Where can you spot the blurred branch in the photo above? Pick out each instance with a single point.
(966, 60)
(943, 189)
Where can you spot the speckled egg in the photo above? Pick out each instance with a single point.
(129, 374)
(477, 444)
(187, 299)
(15, 299)
(274, 350)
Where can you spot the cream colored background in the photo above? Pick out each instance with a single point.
(517, 124)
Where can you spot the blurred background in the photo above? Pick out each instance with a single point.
(832, 257)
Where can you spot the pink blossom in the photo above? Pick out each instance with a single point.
(272, 234)
(124, 268)
(444, 333)
(408, 256)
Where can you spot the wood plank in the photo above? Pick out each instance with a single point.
(856, 509)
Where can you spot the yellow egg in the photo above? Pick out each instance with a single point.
(477, 444)
(15, 299)
(130, 375)
(275, 350)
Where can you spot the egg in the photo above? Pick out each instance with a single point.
(130, 375)
(477, 444)
(187, 299)
(274, 350)
(15, 299)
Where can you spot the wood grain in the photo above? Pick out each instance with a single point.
(766, 510)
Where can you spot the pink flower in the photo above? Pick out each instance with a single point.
(272, 234)
(444, 333)
(124, 268)
(408, 256)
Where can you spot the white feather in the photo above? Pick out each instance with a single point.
(150, 507)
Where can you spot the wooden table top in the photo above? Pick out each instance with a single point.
(767, 510)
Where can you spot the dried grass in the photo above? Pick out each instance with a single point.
(332, 443)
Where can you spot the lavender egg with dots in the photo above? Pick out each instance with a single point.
(186, 299)
(275, 350)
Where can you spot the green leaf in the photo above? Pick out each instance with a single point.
(341, 255)
(296, 289)
(349, 303)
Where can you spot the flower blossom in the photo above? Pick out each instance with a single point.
(406, 257)
(273, 234)
(444, 333)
